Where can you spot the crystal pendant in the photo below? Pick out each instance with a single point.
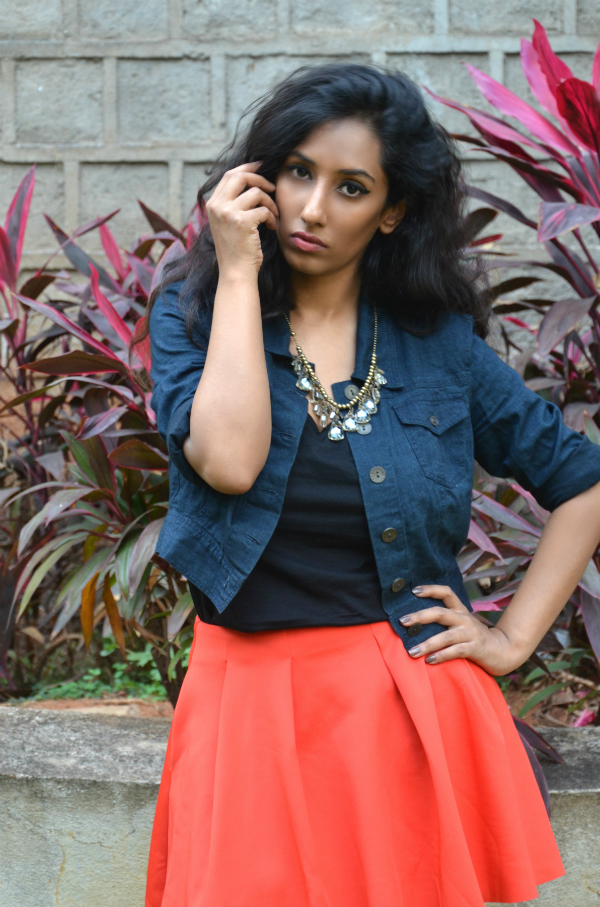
(324, 417)
(303, 383)
(361, 415)
(297, 363)
(370, 407)
(380, 377)
(335, 433)
(375, 394)
(350, 423)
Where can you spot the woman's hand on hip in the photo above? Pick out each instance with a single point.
(466, 636)
(238, 205)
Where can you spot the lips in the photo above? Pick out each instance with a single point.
(306, 242)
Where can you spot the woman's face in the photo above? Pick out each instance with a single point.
(331, 194)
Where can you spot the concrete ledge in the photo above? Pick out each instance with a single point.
(78, 795)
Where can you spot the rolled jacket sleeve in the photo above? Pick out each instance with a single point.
(177, 366)
(517, 433)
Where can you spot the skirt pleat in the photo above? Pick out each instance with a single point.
(324, 767)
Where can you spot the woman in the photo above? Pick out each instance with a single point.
(339, 740)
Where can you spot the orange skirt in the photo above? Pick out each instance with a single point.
(323, 767)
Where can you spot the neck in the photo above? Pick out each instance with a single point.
(324, 298)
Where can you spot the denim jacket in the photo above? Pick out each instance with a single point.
(449, 400)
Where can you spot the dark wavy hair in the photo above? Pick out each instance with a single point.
(417, 271)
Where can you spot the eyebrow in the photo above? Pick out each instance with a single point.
(345, 172)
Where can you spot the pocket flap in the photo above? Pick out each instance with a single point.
(437, 416)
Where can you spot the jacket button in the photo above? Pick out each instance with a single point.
(389, 535)
(414, 629)
(377, 474)
(398, 584)
(433, 420)
(351, 391)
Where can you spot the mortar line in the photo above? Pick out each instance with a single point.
(109, 100)
(496, 65)
(570, 17)
(379, 58)
(7, 102)
(283, 15)
(175, 19)
(71, 178)
(441, 17)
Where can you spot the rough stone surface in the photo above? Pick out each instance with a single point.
(30, 19)
(406, 17)
(509, 17)
(249, 77)
(232, 19)
(447, 76)
(169, 95)
(193, 177)
(58, 101)
(588, 18)
(105, 187)
(105, 20)
(40, 744)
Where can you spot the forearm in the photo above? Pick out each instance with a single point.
(569, 539)
(230, 426)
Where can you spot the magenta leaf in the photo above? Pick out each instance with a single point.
(497, 511)
(18, 212)
(112, 251)
(158, 223)
(579, 104)
(560, 319)
(588, 716)
(560, 217)
(552, 66)
(8, 271)
(143, 550)
(94, 224)
(78, 258)
(95, 425)
(536, 78)
(512, 105)
(482, 540)
(175, 251)
(64, 322)
(143, 273)
(108, 310)
(499, 203)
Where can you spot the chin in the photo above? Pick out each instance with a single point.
(306, 263)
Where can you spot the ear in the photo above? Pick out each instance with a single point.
(392, 217)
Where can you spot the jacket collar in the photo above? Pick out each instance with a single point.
(276, 334)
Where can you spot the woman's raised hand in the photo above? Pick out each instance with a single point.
(238, 205)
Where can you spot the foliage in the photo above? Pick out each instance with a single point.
(88, 489)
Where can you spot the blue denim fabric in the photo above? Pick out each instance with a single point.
(449, 400)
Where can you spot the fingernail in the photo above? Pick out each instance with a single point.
(406, 620)
(415, 651)
(417, 590)
(430, 659)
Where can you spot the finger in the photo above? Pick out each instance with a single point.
(445, 593)
(455, 636)
(234, 182)
(255, 198)
(460, 650)
(434, 614)
(263, 216)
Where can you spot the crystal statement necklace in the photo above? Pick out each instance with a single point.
(352, 416)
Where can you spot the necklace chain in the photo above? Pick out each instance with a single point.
(352, 416)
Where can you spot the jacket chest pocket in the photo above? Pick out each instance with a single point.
(439, 432)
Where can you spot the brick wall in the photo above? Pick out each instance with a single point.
(118, 99)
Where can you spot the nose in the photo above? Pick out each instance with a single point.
(314, 211)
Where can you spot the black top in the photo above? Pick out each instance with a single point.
(318, 568)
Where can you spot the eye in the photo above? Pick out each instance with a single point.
(352, 190)
(299, 171)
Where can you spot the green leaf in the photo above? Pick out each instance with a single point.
(179, 615)
(540, 695)
(123, 560)
(30, 395)
(145, 547)
(41, 572)
(78, 578)
(40, 554)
